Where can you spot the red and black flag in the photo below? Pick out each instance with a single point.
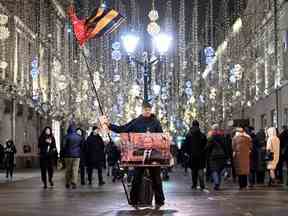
(102, 21)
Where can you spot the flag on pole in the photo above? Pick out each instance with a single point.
(102, 21)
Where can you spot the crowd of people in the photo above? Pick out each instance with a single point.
(78, 154)
(241, 154)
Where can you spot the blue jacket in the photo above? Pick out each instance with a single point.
(72, 143)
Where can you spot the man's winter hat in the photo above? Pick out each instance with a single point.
(146, 104)
(195, 123)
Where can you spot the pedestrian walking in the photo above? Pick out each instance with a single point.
(284, 142)
(253, 156)
(261, 151)
(71, 152)
(147, 122)
(242, 147)
(1, 156)
(82, 167)
(95, 155)
(113, 156)
(217, 155)
(273, 153)
(48, 156)
(9, 157)
(194, 146)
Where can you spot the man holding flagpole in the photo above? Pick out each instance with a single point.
(147, 122)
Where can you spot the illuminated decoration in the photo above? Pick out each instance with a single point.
(237, 93)
(237, 25)
(3, 19)
(213, 93)
(162, 42)
(116, 78)
(153, 29)
(182, 45)
(249, 104)
(116, 55)
(130, 43)
(34, 68)
(4, 31)
(135, 90)
(201, 99)
(116, 45)
(97, 80)
(153, 15)
(235, 73)
(209, 55)
(188, 84)
(156, 89)
(188, 92)
(3, 65)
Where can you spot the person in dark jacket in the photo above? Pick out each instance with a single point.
(9, 155)
(253, 156)
(284, 153)
(1, 155)
(217, 155)
(147, 122)
(48, 155)
(81, 133)
(113, 156)
(95, 155)
(261, 151)
(194, 146)
(71, 152)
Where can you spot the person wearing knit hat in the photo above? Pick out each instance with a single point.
(146, 122)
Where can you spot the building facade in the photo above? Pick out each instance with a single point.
(249, 69)
(37, 59)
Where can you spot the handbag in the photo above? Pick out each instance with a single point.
(269, 156)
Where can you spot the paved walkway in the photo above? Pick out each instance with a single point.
(26, 197)
(20, 175)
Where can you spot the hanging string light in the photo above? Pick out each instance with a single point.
(153, 28)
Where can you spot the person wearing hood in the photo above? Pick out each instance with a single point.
(194, 146)
(261, 163)
(273, 146)
(9, 155)
(48, 155)
(71, 152)
(217, 154)
(242, 147)
(95, 155)
(147, 122)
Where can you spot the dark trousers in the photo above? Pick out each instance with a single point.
(261, 177)
(198, 173)
(279, 170)
(9, 170)
(90, 174)
(242, 181)
(82, 174)
(46, 166)
(155, 173)
(252, 177)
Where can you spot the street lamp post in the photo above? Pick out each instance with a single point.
(161, 42)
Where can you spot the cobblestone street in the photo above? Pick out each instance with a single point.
(26, 197)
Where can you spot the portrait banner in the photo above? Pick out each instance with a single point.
(145, 149)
